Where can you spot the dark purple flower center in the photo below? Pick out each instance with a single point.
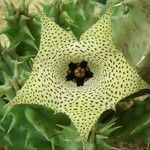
(79, 73)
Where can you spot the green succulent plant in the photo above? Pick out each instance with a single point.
(57, 114)
(132, 29)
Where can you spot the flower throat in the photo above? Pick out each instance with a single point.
(79, 73)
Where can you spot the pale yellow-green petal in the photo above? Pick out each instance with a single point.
(52, 36)
(99, 35)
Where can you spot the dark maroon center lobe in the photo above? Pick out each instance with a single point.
(79, 73)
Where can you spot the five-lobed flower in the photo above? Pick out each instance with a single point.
(113, 78)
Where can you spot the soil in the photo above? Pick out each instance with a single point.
(129, 146)
(123, 145)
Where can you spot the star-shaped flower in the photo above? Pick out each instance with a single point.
(113, 78)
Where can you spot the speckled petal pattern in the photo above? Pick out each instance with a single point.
(113, 78)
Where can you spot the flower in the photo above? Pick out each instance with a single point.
(113, 78)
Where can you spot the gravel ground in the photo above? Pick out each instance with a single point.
(123, 145)
(129, 146)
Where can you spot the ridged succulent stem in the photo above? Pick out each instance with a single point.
(148, 146)
(92, 134)
(15, 85)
